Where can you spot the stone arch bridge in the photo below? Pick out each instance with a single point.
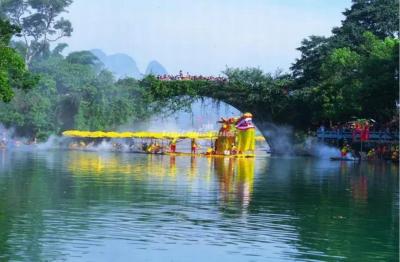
(173, 95)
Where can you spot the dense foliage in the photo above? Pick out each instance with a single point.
(353, 73)
(13, 72)
(39, 22)
(361, 82)
(73, 93)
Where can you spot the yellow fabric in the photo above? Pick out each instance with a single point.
(224, 143)
(245, 170)
(144, 134)
(246, 140)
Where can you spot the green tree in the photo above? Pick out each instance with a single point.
(339, 91)
(73, 93)
(380, 77)
(83, 58)
(306, 69)
(12, 68)
(32, 113)
(352, 73)
(380, 17)
(39, 22)
(362, 83)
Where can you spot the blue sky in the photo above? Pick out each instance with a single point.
(202, 36)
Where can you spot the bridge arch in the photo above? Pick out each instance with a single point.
(175, 94)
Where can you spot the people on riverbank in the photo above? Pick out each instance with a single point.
(345, 150)
(371, 155)
(154, 148)
(395, 155)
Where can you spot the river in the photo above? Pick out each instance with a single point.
(93, 206)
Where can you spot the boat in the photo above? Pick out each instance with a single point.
(147, 153)
(344, 159)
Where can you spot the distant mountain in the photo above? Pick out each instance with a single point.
(155, 68)
(121, 65)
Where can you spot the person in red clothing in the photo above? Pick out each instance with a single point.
(193, 146)
(172, 146)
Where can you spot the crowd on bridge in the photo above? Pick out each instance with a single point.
(187, 76)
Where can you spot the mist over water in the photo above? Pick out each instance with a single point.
(280, 138)
(320, 150)
(52, 142)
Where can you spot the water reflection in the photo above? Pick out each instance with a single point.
(236, 179)
(235, 176)
(100, 207)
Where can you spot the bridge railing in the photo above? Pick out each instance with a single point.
(376, 136)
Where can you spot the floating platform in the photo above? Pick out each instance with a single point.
(194, 155)
(210, 155)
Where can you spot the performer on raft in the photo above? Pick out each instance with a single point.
(234, 150)
(226, 136)
(172, 146)
(193, 146)
(246, 134)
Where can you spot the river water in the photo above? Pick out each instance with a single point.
(91, 206)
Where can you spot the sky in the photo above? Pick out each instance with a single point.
(202, 36)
